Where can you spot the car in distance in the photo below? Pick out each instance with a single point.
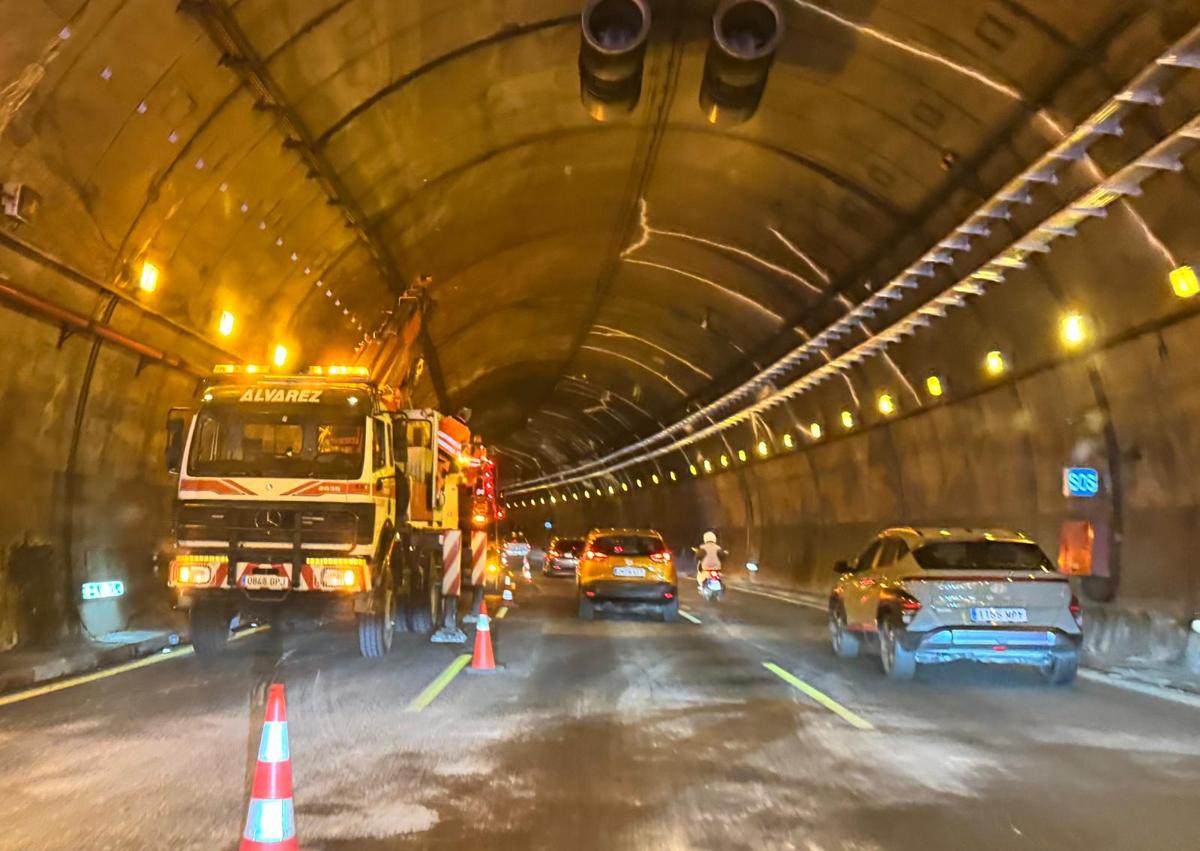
(515, 548)
(562, 556)
(627, 569)
(932, 595)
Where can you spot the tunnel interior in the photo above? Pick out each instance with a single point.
(936, 261)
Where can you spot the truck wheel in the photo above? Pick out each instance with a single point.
(375, 629)
(1061, 670)
(424, 602)
(209, 625)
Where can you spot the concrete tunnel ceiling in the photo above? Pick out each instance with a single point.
(598, 269)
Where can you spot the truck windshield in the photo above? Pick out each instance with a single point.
(982, 555)
(283, 441)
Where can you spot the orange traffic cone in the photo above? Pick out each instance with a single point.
(271, 818)
(482, 659)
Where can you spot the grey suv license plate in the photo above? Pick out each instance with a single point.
(996, 614)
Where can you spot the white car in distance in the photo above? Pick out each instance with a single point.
(933, 595)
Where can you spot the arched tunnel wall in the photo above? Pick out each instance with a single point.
(993, 459)
(86, 496)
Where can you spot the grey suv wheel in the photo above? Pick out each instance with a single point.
(898, 663)
(845, 643)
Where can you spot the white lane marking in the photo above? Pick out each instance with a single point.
(1174, 695)
(795, 601)
(689, 616)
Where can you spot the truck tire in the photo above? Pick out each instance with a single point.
(209, 625)
(375, 629)
(424, 601)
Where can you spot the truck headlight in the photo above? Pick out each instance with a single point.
(193, 570)
(339, 577)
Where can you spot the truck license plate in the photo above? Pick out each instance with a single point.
(996, 614)
(629, 571)
(265, 582)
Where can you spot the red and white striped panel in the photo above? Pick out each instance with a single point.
(449, 445)
(451, 563)
(478, 557)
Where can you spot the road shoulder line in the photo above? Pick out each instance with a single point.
(795, 601)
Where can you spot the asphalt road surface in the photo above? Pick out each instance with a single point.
(617, 734)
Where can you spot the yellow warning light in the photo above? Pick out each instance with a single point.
(692, 469)
(281, 355)
(1073, 330)
(340, 370)
(789, 442)
(763, 449)
(847, 419)
(994, 364)
(814, 431)
(479, 519)
(886, 404)
(933, 384)
(742, 455)
(724, 460)
(1184, 281)
(148, 280)
(238, 369)
(225, 326)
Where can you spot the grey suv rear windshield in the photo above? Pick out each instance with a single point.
(569, 546)
(628, 545)
(982, 555)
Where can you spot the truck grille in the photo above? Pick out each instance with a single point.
(274, 526)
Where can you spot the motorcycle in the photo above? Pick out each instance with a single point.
(713, 586)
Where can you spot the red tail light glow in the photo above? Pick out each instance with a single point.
(592, 555)
(663, 557)
(909, 606)
(1076, 610)
(669, 595)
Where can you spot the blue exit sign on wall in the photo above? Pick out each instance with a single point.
(101, 590)
(1080, 481)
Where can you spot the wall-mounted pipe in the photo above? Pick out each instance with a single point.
(613, 36)
(74, 322)
(745, 36)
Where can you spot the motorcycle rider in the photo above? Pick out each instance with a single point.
(708, 557)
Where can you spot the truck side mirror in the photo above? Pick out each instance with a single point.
(176, 434)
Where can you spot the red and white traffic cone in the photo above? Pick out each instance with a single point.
(271, 816)
(483, 659)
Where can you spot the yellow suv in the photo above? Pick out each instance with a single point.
(629, 569)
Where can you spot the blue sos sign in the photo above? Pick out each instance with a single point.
(1080, 481)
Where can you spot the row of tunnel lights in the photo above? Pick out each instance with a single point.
(148, 279)
(1074, 332)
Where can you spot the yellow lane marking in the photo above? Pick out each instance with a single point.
(84, 679)
(435, 688)
(689, 616)
(500, 614)
(825, 700)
